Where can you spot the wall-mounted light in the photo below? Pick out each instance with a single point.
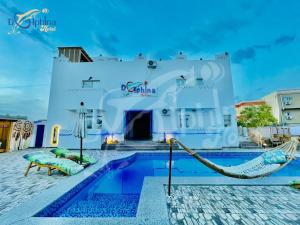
(168, 138)
(111, 140)
(55, 135)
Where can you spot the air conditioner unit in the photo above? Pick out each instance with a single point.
(152, 64)
(165, 112)
(99, 123)
(288, 116)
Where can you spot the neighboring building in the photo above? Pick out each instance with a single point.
(5, 133)
(242, 105)
(142, 99)
(285, 106)
(15, 132)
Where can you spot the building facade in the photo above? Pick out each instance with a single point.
(38, 133)
(285, 106)
(141, 99)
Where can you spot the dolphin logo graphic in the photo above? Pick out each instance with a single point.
(22, 18)
(131, 86)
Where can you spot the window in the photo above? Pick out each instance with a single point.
(180, 120)
(89, 123)
(287, 100)
(55, 135)
(90, 83)
(94, 119)
(199, 81)
(187, 121)
(89, 119)
(180, 82)
(227, 120)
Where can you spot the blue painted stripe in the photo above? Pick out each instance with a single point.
(203, 132)
(174, 133)
(64, 134)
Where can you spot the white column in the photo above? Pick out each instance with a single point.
(94, 120)
(199, 116)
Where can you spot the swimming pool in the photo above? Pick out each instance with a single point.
(114, 190)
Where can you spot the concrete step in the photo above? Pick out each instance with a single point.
(103, 205)
(248, 144)
(136, 145)
(111, 197)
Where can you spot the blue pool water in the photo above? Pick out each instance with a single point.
(114, 190)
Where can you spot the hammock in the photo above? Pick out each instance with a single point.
(251, 169)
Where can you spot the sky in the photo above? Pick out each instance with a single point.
(261, 36)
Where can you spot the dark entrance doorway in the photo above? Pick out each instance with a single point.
(39, 136)
(138, 125)
(4, 135)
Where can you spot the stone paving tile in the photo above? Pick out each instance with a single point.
(218, 205)
(15, 188)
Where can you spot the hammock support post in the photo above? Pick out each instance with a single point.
(170, 167)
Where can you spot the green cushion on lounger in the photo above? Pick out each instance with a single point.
(65, 153)
(295, 182)
(44, 158)
(275, 157)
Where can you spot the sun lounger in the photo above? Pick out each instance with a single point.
(295, 184)
(44, 159)
(65, 153)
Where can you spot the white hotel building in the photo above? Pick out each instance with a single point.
(142, 99)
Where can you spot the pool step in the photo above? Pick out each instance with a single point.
(248, 144)
(102, 205)
(113, 197)
(139, 145)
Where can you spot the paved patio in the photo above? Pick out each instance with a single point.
(189, 204)
(15, 188)
(217, 205)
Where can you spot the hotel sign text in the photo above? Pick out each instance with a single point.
(137, 88)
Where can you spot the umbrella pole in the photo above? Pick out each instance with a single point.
(80, 150)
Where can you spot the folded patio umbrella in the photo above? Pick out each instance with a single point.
(80, 127)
